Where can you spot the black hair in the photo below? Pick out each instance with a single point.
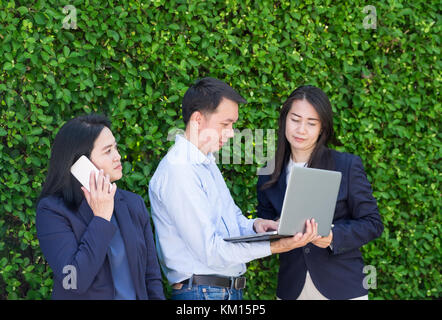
(321, 156)
(75, 138)
(205, 96)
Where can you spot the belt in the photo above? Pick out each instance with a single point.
(218, 281)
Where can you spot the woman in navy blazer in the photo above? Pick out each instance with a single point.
(330, 267)
(98, 243)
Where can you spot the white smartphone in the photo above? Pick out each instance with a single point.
(82, 169)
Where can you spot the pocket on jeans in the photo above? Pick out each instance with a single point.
(185, 294)
(214, 293)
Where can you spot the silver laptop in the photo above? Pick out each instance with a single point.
(311, 193)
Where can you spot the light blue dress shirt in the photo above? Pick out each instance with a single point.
(193, 212)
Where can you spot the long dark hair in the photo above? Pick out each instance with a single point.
(321, 157)
(75, 138)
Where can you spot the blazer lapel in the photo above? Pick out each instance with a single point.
(128, 232)
(282, 183)
(279, 191)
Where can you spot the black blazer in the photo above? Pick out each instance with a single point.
(337, 273)
(80, 239)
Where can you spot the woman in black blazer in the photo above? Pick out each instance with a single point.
(330, 267)
(98, 243)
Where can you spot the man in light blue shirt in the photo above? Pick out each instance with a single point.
(193, 210)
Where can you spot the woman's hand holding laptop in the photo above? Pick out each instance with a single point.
(298, 240)
(324, 242)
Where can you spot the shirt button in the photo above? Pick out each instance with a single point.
(307, 250)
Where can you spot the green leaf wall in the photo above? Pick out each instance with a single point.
(134, 60)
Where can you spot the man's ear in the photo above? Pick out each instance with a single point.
(197, 116)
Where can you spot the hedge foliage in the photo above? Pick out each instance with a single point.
(133, 60)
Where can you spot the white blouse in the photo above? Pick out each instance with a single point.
(292, 164)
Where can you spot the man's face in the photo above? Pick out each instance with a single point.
(216, 128)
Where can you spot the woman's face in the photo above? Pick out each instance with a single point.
(105, 155)
(303, 126)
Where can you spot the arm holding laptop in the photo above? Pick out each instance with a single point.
(324, 242)
(298, 240)
(248, 226)
(183, 216)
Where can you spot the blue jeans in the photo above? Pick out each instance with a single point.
(202, 292)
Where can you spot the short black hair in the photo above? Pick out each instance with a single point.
(75, 138)
(205, 95)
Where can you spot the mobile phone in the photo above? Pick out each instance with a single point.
(81, 170)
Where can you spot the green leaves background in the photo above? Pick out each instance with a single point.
(133, 60)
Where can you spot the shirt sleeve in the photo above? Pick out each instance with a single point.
(245, 224)
(182, 197)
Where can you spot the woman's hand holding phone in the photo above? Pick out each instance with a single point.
(101, 195)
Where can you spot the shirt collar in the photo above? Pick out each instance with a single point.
(191, 152)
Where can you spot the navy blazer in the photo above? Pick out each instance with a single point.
(80, 241)
(337, 273)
